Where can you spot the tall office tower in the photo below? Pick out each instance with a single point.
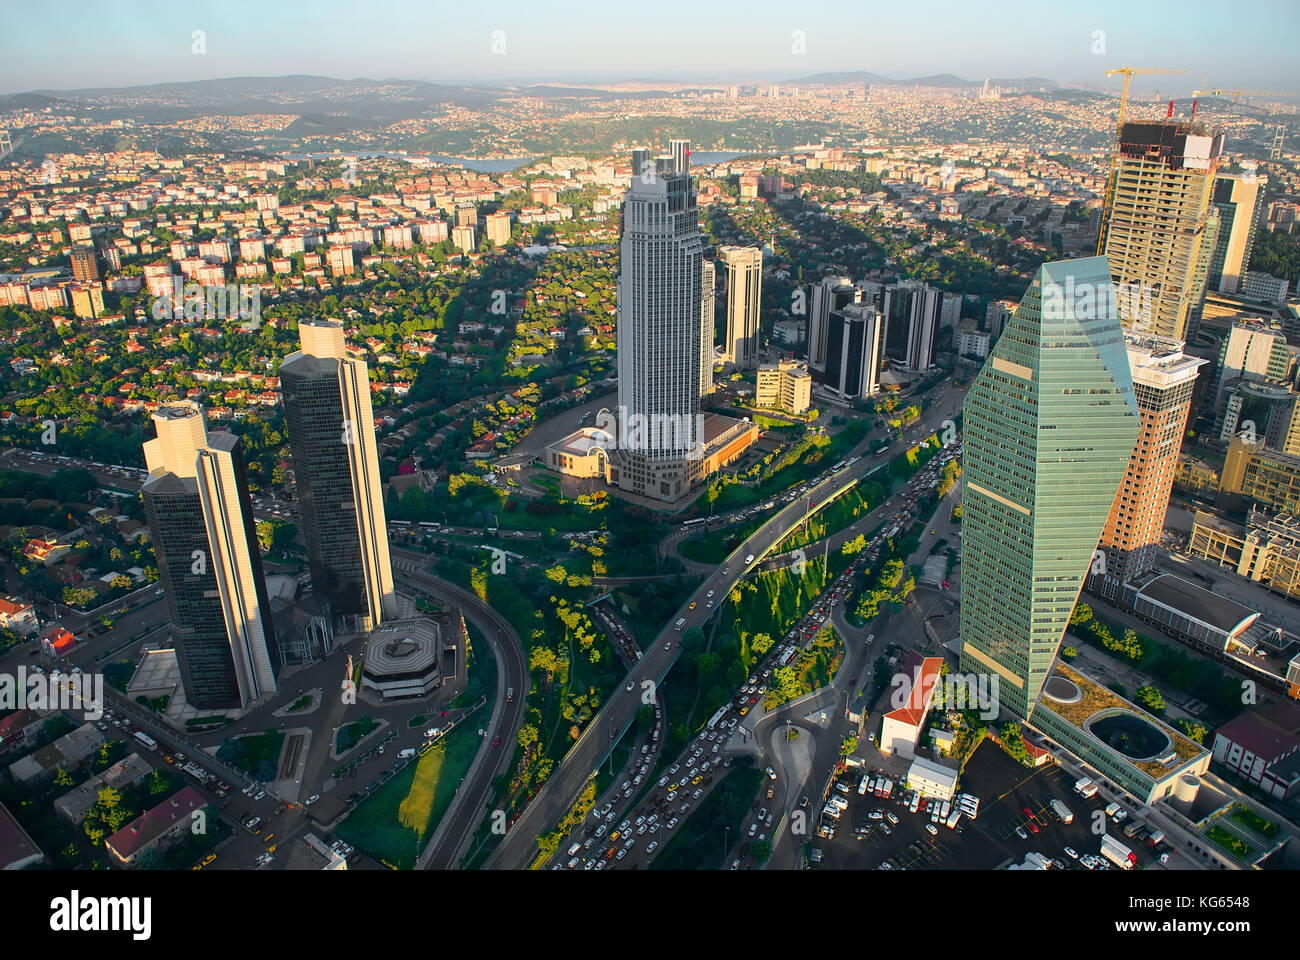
(1237, 197)
(660, 286)
(85, 263)
(855, 342)
(744, 291)
(1049, 427)
(1156, 223)
(681, 151)
(640, 162)
(1163, 380)
(828, 295)
(205, 539)
(1250, 351)
(336, 466)
(708, 308)
(911, 310)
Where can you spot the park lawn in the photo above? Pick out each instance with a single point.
(703, 841)
(394, 823)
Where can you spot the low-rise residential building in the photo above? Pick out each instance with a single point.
(785, 384)
(1263, 746)
(154, 828)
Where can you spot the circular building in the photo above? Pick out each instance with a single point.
(401, 659)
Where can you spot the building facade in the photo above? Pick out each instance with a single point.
(331, 427)
(1157, 223)
(1163, 380)
(1049, 427)
(209, 563)
(744, 292)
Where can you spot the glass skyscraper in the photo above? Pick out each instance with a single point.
(1049, 426)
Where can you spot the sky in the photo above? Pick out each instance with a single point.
(73, 44)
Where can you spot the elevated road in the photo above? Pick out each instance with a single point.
(519, 847)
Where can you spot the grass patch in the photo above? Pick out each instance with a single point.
(394, 823)
(302, 703)
(704, 840)
(1252, 821)
(351, 734)
(1229, 842)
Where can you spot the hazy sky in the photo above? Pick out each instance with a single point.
(91, 43)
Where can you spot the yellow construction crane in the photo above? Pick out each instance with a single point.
(1129, 73)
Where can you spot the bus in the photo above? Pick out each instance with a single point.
(691, 523)
(146, 740)
(713, 721)
(429, 525)
(403, 524)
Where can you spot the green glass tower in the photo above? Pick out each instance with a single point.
(1049, 426)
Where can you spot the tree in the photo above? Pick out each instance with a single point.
(1081, 614)
(527, 735)
(761, 851)
(63, 779)
(1013, 742)
(1150, 698)
(1069, 653)
(849, 746)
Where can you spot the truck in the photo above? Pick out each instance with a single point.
(945, 810)
(1115, 811)
(510, 694)
(863, 784)
(145, 740)
(1085, 788)
(1063, 813)
(1156, 838)
(953, 818)
(1117, 853)
(887, 789)
(406, 754)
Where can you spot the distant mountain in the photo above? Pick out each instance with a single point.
(27, 101)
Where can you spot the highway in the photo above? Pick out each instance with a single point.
(519, 847)
(467, 808)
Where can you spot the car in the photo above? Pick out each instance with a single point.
(803, 803)
(671, 823)
(1071, 853)
(621, 854)
(762, 813)
(1028, 813)
(875, 815)
(496, 741)
(259, 795)
(1033, 827)
(753, 828)
(662, 781)
(697, 793)
(1020, 832)
(931, 829)
(652, 846)
(886, 829)
(735, 864)
(892, 818)
(312, 799)
(692, 606)
(673, 769)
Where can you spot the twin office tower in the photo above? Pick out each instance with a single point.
(197, 503)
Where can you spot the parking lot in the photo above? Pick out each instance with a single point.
(1005, 789)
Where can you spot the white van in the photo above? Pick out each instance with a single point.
(680, 623)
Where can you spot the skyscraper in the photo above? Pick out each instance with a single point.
(854, 351)
(828, 295)
(660, 329)
(336, 466)
(681, 152)
(708, 310)
(912, 309)
(744, 291)
(1050, 424)
(1157, 221)
(205, 540)
(1163, 380)
(1237, 197)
